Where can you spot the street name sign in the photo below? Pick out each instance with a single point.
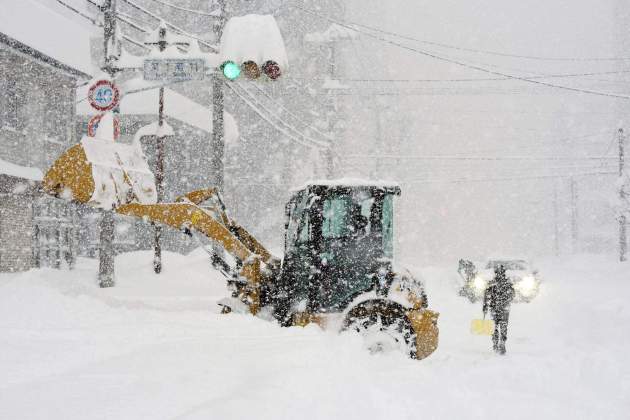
(174, 69)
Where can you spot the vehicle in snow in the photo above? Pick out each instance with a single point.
(337, 270)
(523, 276)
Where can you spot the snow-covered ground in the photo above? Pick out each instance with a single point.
(155, 347)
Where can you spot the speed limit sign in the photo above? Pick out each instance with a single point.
(103, 95)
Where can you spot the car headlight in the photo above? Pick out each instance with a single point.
(480, 284)
(527, 285)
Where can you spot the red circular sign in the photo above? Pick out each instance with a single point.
(93, 125)
(103, 95)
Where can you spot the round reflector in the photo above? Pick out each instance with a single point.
(271, 69)
(250, 69)
(230, 70)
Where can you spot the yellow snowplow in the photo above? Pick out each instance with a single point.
(337, 270)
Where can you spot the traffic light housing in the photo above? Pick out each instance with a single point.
(231, 70)
(251, 70)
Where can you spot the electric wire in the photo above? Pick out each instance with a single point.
(503, 179)
(464, 64)
(95, 4)
(134, 42)
(462, 80)
(213, 48)
(127, 21)
(480, 158)
(297, 117)
(79, 12)
(100, 25)
(266, 119)
(315, 143)
(184, 9)
(474, 50)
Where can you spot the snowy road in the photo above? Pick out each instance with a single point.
(157, 349)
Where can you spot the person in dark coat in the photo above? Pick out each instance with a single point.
(498, 297)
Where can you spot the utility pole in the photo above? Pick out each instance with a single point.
(623, 239)
(159, 182)
(217, 148)
(556, 228)
(574, 215)
(106, 275)
(159, 163)
(329, 156)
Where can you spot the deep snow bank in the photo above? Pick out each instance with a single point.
(155, 347)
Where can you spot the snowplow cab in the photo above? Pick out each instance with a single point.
(338, 238)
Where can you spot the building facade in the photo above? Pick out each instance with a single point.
(36, 124)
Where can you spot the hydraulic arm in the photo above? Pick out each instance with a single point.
(116, 175)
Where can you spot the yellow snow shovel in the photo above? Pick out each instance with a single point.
(482, 326)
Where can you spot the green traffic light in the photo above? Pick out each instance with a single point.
(231, 70)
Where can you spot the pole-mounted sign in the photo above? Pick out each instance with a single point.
(103, 95)
(174, 69)
(93, 126)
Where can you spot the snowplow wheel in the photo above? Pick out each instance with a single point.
(384, 327)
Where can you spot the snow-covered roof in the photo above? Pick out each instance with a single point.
(253, 37)
(40, 25)
(8, 168)
(176, 106)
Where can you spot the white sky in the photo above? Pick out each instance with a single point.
(493, 118)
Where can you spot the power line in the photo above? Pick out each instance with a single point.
(184, 9)
(94, 22)
(502, 179)
(550, 76)
(297, 117)
(479, 51)
(266, 119)
(124, 19)
(479, 158)
(174, 27)
(461, 63)
(315, 142)
(134, 42)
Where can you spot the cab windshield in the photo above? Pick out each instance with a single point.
(359, 216)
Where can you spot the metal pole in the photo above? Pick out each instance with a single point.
(623, 239)
(329, 156)
(106, 275)
(159, 183)
(106, 250)
(556, 228)
(574, 215)
(217, 150)
(159, 164)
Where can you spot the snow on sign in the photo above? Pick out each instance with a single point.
(103, 95)
(93, 126)
(174, 69)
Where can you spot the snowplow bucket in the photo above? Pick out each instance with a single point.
(482, 326)
(102, 174)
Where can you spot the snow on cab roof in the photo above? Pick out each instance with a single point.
(42, 26)
(176, 106)
(347, 182)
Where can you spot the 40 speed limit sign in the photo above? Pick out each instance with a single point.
(103, 95)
